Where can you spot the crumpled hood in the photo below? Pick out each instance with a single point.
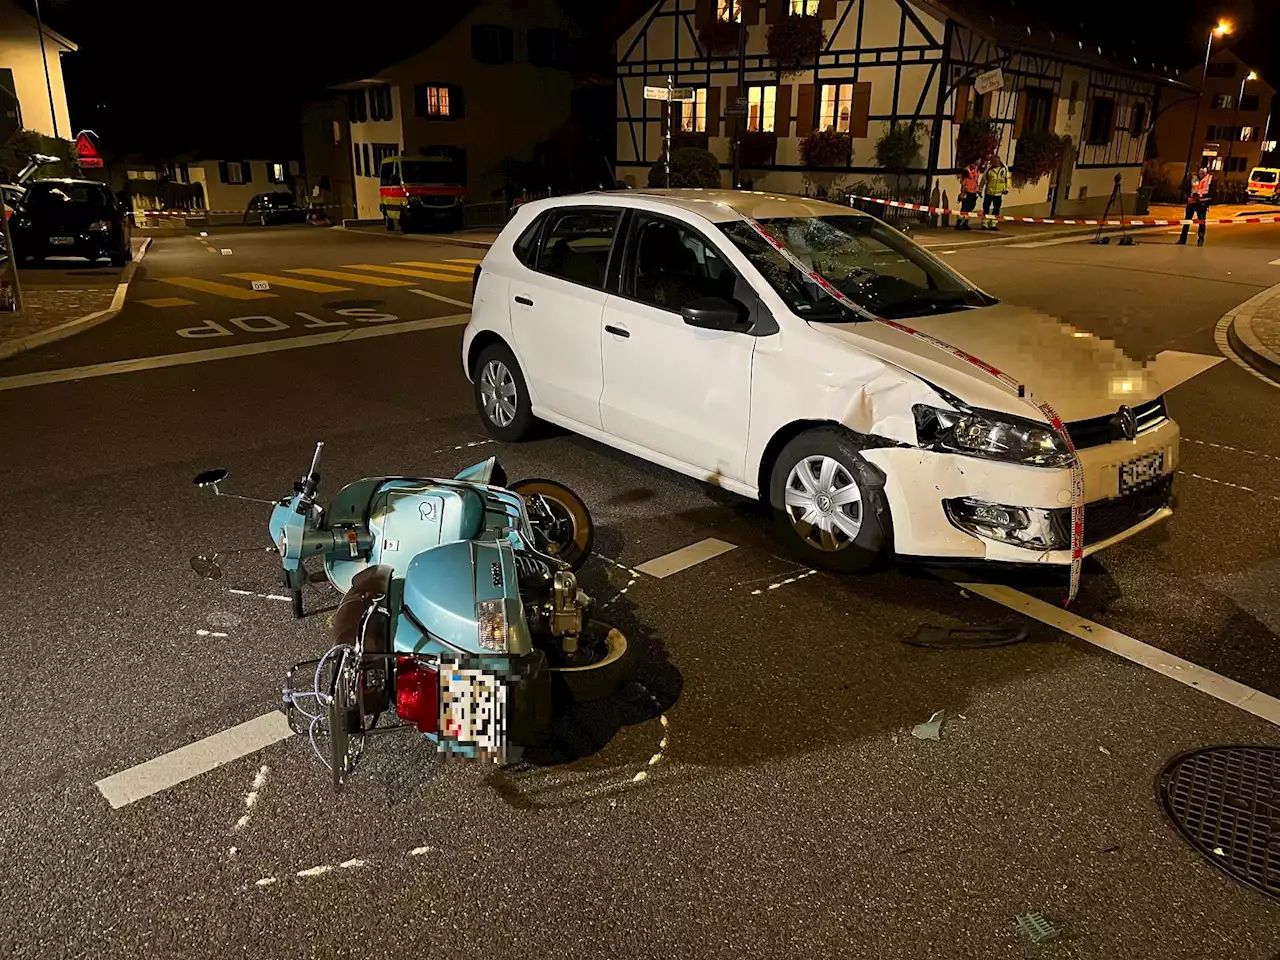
(1075, 372)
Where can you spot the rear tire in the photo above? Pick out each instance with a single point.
(501, 395)
(604, 678)
(828, 502)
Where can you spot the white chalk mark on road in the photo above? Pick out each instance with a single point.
(678, 560)
(251, 798)
(209, 633)
(260, 596)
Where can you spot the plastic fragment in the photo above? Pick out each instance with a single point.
(1104, 750)
(1036, 928)
(1219, 852)
(931, 729)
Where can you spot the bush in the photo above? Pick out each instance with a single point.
(719, 37)
(898, 147)
(978, 139)
(690, 167)
(794, 42)
(826, 148)
(1037, 155)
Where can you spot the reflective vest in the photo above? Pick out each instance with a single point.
(997, 181)
(1200, 188)
(969, 182)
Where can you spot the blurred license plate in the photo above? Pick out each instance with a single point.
(62, 241)
(473, 708)
(1140, 472)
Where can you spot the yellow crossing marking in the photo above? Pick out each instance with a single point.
(295, 284)
(168, 302)
(351, 277)
(405, 272)
(217, 289)
(451, 267)
(462, 260)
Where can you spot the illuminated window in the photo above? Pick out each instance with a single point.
(1215, 163)
(1246, 133)
(275, 173)
(729, 10)
(837, 106)
(1224, 101)
(761, 102)
(804, 8)
(693, 113)
(1268, 146)
(436, 101)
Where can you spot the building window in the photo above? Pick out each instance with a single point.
(547, 48)
(1268, 146)
(431, 100)
(1221, 68)
(1138, 122)
(1211, 132)
(380, 103)
(492, 44)
(1213, 163)
(1224, 101)
(693, 113)
(1249, 101)
(1101, 120)
(235, 171)
(761, 102)
(836, 106)
(337, 132)
(357, 106)
(275, 173)
(1039, 106)
(804, 8)
(729, 10)
(381, 151)
(1237, 164)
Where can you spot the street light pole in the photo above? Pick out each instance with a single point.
(48, 83)
(1235, 126)
(1221, 29)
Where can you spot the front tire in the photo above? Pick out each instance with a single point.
(576, 529)
(828, 502)
(501, 395)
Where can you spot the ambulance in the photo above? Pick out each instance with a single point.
(416, 192)
(1262, 184)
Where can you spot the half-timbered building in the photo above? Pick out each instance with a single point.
(880, 62)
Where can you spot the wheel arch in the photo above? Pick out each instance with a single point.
(481, 342)
(788, 432)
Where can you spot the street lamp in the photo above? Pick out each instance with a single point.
(1221, 30)
(1235, 126)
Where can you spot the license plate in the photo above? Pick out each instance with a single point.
(473, 708)
(1140, 472)
(62, 241)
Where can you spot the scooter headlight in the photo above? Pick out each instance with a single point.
(491, 622)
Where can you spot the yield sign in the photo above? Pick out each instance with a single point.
(87, 154)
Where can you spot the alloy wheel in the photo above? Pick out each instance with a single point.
(498, 393)
(824, 503)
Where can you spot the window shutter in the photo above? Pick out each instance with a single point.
(222, 171)
(804, 109)
(773, 10)
(713, 112)
(1020, 115)
(827, 9)
(457, 102)
(750, 12)
(860, 111)
(1053, 114)
(782, 111)
(704, 12)
(964, 94)
(246, 170)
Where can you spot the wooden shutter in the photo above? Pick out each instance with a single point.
(827, 9)
(782, 111)
(246, 170)
(804, 109)
(860, 111)
(713, 112)
(703, 13)
(750, 12)
(222, 171)
(457, 102)
(773, 10)
(1020, 115)
(964, 94)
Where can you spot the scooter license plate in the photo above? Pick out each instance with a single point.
(473, 708)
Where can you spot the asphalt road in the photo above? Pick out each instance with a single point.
(790, 812)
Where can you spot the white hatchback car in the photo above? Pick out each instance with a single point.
(662, 323)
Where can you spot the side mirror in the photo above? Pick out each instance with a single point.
(210, 478)
(716, 313)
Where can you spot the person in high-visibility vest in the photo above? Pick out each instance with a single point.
(970, 184)
(995, 184)
(1198, 204)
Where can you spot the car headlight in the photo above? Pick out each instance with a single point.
(994, 436)
(491, 622)
(100, 226)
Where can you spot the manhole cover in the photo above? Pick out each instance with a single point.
(352, 304)
(1226, 802)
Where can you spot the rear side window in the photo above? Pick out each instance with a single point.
(1263, 176)
(578, 245)
(80, 194)
(526, 247)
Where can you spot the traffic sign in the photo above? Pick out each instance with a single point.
(679, 94)
(87, 154)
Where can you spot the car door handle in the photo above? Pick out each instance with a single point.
(524, 301)
(617, 331)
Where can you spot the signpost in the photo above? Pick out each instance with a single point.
(672, 95)
(988, 82)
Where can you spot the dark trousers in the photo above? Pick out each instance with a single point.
(967, 203)
(991, 204)
(1199, 210)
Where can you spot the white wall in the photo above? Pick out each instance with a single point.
(233, 197)
(20, 52)
(371, 132)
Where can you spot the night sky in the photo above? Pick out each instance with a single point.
(153, 76)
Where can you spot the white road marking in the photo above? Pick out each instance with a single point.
(209, 633)
(685, 557)
(260, 596)
(782, 583)
(112, 368)
(177, 766)
(465, 304)
(1223, 446)
(1226, 483)
(1184, 671)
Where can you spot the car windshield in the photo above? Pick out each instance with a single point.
(428, 171)
(873, 265)
(52, 197)
(1264, 176)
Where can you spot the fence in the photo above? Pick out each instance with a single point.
(895, 216)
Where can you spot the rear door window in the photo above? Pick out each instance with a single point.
(578, 245)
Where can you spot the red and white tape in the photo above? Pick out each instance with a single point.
(1122, 222)
(1045, 410)
(197, 214)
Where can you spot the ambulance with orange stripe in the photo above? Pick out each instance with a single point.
(415, 192)
(1262, 184)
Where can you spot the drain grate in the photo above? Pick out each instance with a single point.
(1226, 802)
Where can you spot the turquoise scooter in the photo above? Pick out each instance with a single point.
(461, 613)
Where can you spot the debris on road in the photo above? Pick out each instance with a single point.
(964, 638)
(1036, 928)
(931, 729)
(1104, 751)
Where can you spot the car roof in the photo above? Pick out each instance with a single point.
(717, 206)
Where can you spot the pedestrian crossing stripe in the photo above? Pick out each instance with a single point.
(168, 302)
(219, 289)
(463, 260)
(311, 286)
(406, 272)
(350, 277)
(451, 267)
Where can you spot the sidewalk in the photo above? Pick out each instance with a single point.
(1254, 332)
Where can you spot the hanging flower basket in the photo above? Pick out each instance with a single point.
(978, 139)
(826, 148)
(758, 148)
(719, 37)
(794, 42)
(1037, 155)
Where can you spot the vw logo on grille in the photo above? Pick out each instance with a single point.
(1127, 421)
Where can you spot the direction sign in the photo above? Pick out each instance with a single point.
(87, 154)
(736, 110)
(679, 94)
(985, 83)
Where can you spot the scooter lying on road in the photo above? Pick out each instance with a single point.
(462, 612)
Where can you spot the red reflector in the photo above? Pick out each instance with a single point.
(417, 695)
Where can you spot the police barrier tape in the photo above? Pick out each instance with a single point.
(1044, 409)
(197, 214)
(1123, 222)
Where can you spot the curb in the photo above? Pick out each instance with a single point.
(81, 324)
(1243, 343)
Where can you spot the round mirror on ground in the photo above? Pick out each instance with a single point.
(210, 478)
(206, 567)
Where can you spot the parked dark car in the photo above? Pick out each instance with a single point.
(278, 207)
(70, 218)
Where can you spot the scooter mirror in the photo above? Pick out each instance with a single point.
(210, 478)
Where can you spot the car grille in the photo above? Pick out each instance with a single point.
(1104, 519)
(1103, 430)
(436, 200)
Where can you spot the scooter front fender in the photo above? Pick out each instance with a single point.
(296, 536)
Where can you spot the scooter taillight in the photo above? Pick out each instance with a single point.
(417, 695)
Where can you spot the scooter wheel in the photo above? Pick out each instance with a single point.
(604, 677)
(577, 548)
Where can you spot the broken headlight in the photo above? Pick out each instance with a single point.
(990, 435)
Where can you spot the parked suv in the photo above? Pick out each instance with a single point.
(70, 218)
(662, 323)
